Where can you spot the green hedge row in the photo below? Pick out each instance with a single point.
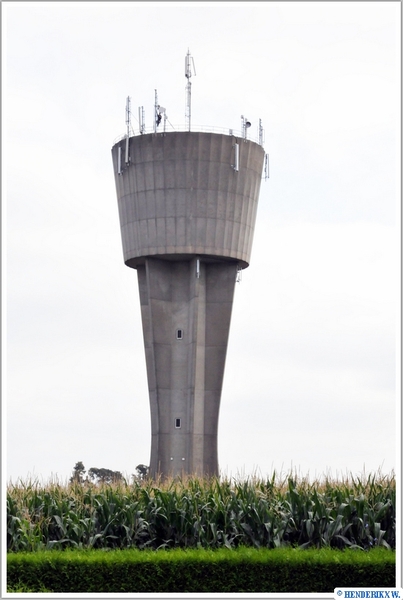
(213, 571)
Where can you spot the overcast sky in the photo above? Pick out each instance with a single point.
(313, 364)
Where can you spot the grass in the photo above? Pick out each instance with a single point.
(283, 511)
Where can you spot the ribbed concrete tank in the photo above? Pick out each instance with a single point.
(187, 207)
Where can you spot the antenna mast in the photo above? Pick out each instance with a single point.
(188, 74)
(142, 127)
(128, 115)
(261, 133)
(128, 125)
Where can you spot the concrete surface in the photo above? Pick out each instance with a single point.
(187, 219)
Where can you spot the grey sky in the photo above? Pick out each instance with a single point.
(311, 380)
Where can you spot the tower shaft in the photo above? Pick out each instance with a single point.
(186, 312)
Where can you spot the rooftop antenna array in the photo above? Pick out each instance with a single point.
(189, 62)
(160, 113)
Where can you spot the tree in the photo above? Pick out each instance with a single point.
(78, 473)
(104, 475)
(142, 472)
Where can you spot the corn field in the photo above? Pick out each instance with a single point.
(196, 513)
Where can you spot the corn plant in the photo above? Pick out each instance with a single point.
(197, 513)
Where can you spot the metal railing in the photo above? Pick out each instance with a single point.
(194, 128)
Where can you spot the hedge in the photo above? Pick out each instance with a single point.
(244, 570)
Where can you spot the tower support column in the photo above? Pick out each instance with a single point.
(186, 310)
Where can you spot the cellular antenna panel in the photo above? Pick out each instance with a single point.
(189, 62)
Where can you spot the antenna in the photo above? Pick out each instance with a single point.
(128, 115)
(261, 133)
(188, 74)
(128, 125)
(266, 167)
(245, 125)
(142, 126)
(235, 166)
(156, 114)
(120, 160)
(162, 111)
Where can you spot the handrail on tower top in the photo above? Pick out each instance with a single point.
(195, 129)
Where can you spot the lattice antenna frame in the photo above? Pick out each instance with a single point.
(189, 63)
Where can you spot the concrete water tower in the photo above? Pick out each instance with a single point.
(187, 207)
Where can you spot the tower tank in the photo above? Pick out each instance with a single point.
(187, 208)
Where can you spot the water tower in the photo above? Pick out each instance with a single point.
(187, 206)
